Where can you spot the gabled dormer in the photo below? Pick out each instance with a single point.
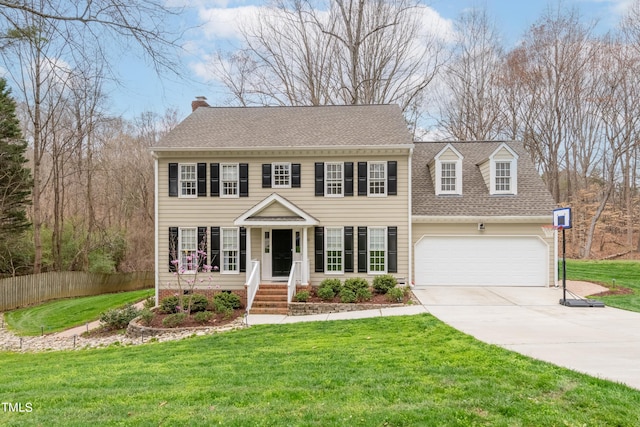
(446, 171)
(500, 171)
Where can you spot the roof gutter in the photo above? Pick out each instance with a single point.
(531, 219)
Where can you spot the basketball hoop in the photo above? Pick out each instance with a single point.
(550, 230)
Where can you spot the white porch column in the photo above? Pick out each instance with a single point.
(248, 264)
(305, 257)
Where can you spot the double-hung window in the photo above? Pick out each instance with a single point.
(377, 178)
(377, 249)
(334, 179)
(188, 180)
(448, 177)
(503, 177)
(188, 240)
(281, 175)
(334, 249)
(229, 180)
(230, 243)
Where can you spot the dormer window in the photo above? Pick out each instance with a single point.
(447, 171)
(503, 177)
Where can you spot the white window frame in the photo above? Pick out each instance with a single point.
(457, 190)
(448, 178)
(338, 182)
(512, 177)
(286, 175)
(376, 180)
(226, 252)
(329, 247)
(185, 250)
(223, 181)
(191, 183)
(370, 249)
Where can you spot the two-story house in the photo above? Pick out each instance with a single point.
(299, 194)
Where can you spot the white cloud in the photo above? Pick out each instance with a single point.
(224, 23)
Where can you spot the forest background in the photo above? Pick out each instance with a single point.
(571, 95)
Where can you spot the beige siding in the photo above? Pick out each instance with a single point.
(503, 154)
(485, 170)
(496, 229)
(449, 156)
(329, 211)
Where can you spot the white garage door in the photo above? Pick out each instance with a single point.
(481, 261)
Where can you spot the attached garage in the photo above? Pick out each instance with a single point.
(481, 260)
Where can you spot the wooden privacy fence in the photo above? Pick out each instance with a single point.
(36, 288)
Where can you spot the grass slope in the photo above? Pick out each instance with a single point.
(66, 313)
(624, 273)
(393, 371)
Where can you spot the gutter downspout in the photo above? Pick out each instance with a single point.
(410, 216)
(156, 227)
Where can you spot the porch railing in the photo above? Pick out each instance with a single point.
(294, 279)
(253, 283)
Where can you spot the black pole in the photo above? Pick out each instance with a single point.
(564, 270)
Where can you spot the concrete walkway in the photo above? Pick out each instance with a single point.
(601, 342)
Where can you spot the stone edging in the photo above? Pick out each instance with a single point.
(136, 330)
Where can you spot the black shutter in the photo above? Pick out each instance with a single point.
(215, 248)
(215, 179)
(202, 179)
(173, 248)
(202, 246)
(295, 175)
(173, 180)
(243, 249)
(362, 178)
(319, 179)
(244, 179)
(348, 178)
(392, 249)
(362, 249)
(319, 249)
(266, 175)
(348, 249)
(392, 180)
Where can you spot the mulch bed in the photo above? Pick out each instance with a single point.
(375, 299)
(190, 322)
(617, 291)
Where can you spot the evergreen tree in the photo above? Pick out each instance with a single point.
(15, 177)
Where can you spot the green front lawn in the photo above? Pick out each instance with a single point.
(393, 371)
(66, 313)
(613, 275)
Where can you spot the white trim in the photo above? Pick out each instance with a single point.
(273, 174)
(157, 234)
(458, 171)
(237, 249)
(222, 181)
(513, 171)
(410, 221)
(328, 148)
(341, 164)
(305, 218)
(195, 188)
(385, 179)
(385, 234)
(326, 256)
(425, 219)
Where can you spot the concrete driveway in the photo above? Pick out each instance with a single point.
(601, 342)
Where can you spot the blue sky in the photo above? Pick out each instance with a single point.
(212, 23)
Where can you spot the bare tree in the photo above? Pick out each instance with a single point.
(472, 106)
(348, 52)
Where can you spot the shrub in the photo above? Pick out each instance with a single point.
(302, 296)
(347, 295)
(383, 283)
(202, 316)
(149, 302)
(395, 295)
(199, 302)
(119, 318)
(173, 320)
(169, 305)
(363, 294)
(229, 298)
(326, 293)
(355, 283)
(146, 316)
(334, 284)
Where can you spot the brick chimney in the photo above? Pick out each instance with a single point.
(200, 101)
